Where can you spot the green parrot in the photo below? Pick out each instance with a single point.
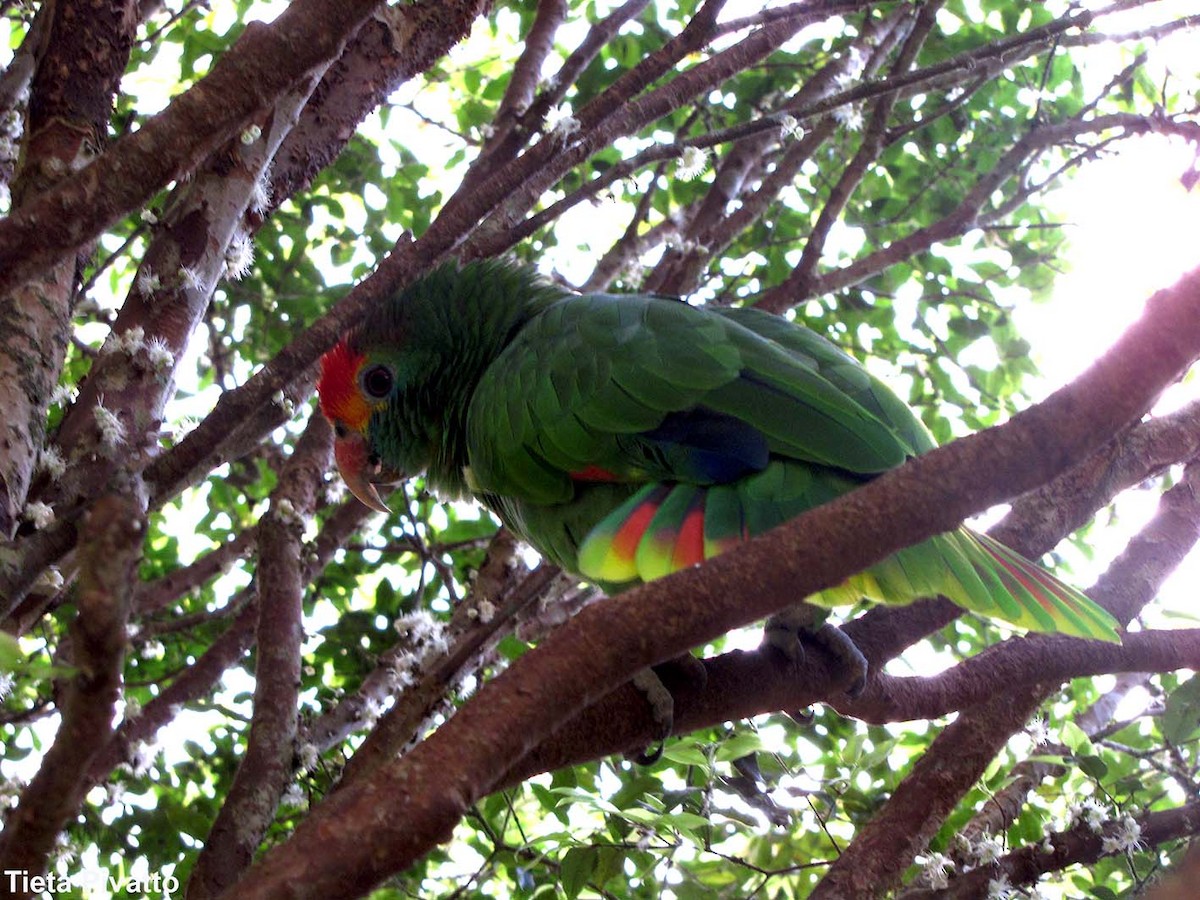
(628, 436)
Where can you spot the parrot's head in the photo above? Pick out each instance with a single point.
(398, 387)
(355, 391)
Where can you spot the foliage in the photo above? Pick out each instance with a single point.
(879, 172)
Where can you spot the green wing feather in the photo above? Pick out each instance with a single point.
(606, 384)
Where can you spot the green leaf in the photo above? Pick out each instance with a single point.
(576, 869)
(1181, 718)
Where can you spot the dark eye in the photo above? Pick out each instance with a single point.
(377, 382)
(340, 430)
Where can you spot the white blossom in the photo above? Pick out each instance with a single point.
(1125, 837)
(790, 127)
(560, 123)
(988, 850)
(487, 611)
(1091, 812)
(112, 431)
(63, 394)
(424, 631)
(148, 216)
(308, 754)
(158, 352)
(1038, 730)
(133, 708)
(261, 198)
(850, 116)
(39, 514)
(251, 134)
(148, 282)
(239, 256)
(935, 867)
(190, 279)
(1000, 889)
(692, 163)
(284, 402)
(294, 797)
(50, 461)
(130, 341)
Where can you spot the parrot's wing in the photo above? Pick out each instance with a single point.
(637, 388)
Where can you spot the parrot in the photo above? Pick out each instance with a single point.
(628, 436)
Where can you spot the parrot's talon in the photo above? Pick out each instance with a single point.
(847, 653)
(662, 708)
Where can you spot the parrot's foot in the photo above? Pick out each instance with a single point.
(653, 685)
(662, 708)
(788, 641)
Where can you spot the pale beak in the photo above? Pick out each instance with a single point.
(360, 473)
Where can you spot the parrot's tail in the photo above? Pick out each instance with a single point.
(665, 527)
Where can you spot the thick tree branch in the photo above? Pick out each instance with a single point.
(266, 768)
(109, 551)
(885, 847)
(265, 62)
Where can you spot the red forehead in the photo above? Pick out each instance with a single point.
(341, 399)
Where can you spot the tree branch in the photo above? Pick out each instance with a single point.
(265, 62)
(109, 551)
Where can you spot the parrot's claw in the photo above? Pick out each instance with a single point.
(787, 640)
(662, 708)
(684, 672)
(835, 641)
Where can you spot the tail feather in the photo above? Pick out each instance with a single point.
(1043, 596)
(663, 528)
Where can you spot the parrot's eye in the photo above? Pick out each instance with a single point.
(377, 381)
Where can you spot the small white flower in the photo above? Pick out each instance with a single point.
(424, 631)
(1000, 889)
(153, 650)
(849, 116)
(487, 131)
(1125, 838)
(239, 256)
(560, 123)
(133, 708)
(51, 461)
(372, 710)
(988, 850)
(40, 514)
(284, 402)
(148, 282)
(487, 611)
(158, 352)
(131, 341)
(112, 431)
(790, 127)
(294, 797)
(1038, 730)
(692, 163)
(251, 134)
(1090, 812)
(148, 216)
(308, 755)
(260, 200)
(6, 684)
(141, 760)
(190, 279)
(62, 395)
(935, 867)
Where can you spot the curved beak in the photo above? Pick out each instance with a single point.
(360, 473)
